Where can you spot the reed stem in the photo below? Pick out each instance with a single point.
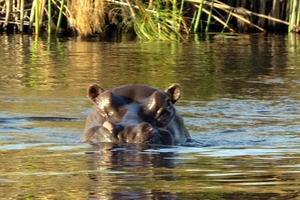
(174, 13)
(198, 18)
(49, 17)
(22, 15)
(298, 16)
(180, 14)
(60, 16)
(36, 8)
(226, 23)
(293, 15)
(209, 16)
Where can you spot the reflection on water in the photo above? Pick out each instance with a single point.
(111, 171)
(234, 122)
(240, 103)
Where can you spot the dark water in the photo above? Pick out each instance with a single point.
(241, 104)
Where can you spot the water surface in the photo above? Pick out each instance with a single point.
(240, 104)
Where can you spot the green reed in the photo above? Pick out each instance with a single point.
(49, 17)
(60, 16)
(198, 16)
(161, 23)
(290, 15)
(293, 15)
(36, 12)
(181, 13)
(226, 23)
(209, 16)
(298, 16)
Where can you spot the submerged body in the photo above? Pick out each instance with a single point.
(135, 114)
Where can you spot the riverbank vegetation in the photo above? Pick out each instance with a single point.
(149, 19)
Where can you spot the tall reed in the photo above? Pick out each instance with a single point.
(60, 16)
(161, 19)
(209, 16)
(152, 24)
(37, 19)
(198, 17)
(293, 14)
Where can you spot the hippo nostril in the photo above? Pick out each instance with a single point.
(108, 126)
(112, 128)
(118, 128)
(146, 127)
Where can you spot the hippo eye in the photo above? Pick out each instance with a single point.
(165, 109)
(168, 104)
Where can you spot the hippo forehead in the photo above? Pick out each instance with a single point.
(135, 104)
(137, 93)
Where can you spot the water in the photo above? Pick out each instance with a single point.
(240, 103)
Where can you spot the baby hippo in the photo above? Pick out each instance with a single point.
(135, 114)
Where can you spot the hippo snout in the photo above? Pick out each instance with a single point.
(135, 133)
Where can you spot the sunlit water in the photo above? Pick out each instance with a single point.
(240, 103)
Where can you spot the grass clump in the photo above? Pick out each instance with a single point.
(151, 21)
(86, 16)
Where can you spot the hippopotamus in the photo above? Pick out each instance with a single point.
(135, 113)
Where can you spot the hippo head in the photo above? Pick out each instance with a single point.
(134, 114)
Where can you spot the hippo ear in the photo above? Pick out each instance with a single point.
(174, 92)
(94, 91)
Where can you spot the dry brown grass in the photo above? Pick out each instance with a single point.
(87, 16)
